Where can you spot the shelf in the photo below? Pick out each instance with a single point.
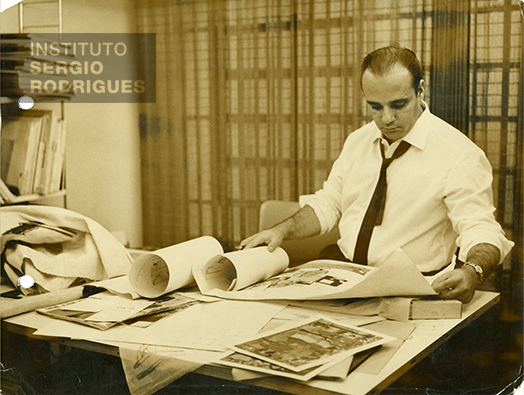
(34, 197)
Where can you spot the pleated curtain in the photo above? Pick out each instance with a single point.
(256, 97)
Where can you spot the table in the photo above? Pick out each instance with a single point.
(427, 336)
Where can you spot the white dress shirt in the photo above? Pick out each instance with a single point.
(439, 195)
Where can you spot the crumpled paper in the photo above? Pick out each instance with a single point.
(56, 246)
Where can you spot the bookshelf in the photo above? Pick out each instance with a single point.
(35, 171)
(35, 197)
(33, 154)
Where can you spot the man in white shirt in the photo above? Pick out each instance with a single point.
(434, 195)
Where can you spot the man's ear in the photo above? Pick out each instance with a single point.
(421, 89)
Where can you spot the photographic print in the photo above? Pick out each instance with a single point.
(167, 121)
(243, 361)
(311, 343)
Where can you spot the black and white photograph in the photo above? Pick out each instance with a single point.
(264, 163)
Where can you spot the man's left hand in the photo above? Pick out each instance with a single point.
(457, 284)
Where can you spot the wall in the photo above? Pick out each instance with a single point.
(103, 168)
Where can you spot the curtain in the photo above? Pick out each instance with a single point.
(476, 80)
(495, 115)
(255, 99)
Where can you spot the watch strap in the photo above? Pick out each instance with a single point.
(477, 268)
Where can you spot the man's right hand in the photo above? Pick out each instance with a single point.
(303, 223)
(272, 237)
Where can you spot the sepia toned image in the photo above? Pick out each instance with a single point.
(186, 185)
(311, 344)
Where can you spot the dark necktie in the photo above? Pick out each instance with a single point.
(375, 211)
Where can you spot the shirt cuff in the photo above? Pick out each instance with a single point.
(499, 241)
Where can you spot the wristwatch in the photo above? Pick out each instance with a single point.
(477, 268)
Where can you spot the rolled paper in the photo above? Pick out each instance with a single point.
(160, 272)
(235, 270)
(11, 307)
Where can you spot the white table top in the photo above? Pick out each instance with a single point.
(426, 337)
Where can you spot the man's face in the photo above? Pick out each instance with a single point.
(395, 105)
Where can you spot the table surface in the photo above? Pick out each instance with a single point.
(426, 337)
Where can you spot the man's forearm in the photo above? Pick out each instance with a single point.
(486, 256)
(303, 223)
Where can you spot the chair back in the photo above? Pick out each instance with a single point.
(301, 250)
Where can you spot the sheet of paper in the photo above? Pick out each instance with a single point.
(338, 371)
(102, 311)
(211, 326)
(249, 363)
(327, 279)
(168, 269)
(400, 331)
(119, 286)
(108, 307)
(31, 320)
(291, 313)
(243, 374)
(119, 309)
(151, 368)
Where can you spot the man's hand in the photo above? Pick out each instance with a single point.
(272, 237)
(457, 284)
(461, 283)
(303, 223)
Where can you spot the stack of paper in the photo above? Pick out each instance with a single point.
(105, 310)
(304, 350)
(29, 63)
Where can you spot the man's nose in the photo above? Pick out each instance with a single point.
(387, 115)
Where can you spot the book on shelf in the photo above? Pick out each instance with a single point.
(56, 164)
(20, 141)
(49, 139)
(33, 151)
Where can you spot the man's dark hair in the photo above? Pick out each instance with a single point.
(380, 61)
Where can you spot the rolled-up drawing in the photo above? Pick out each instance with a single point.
(235, 270)
(11, 307)
(160, 272)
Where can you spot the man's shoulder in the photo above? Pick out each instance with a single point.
(449, 137)
(365, 133)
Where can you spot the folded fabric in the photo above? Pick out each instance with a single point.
(57, 246)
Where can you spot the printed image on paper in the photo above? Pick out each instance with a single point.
(314, 342)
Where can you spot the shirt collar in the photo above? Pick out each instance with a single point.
(418, 134)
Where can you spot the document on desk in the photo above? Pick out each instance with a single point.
(257, 274)
(251, 364)
(148, 369)
(304, 346)
(101, 311)
(105, 310)
(323, 279)
(205, 326)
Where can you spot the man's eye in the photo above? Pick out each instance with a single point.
(398, 106)
(376, 107)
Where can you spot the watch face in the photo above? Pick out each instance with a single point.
(477, 268)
